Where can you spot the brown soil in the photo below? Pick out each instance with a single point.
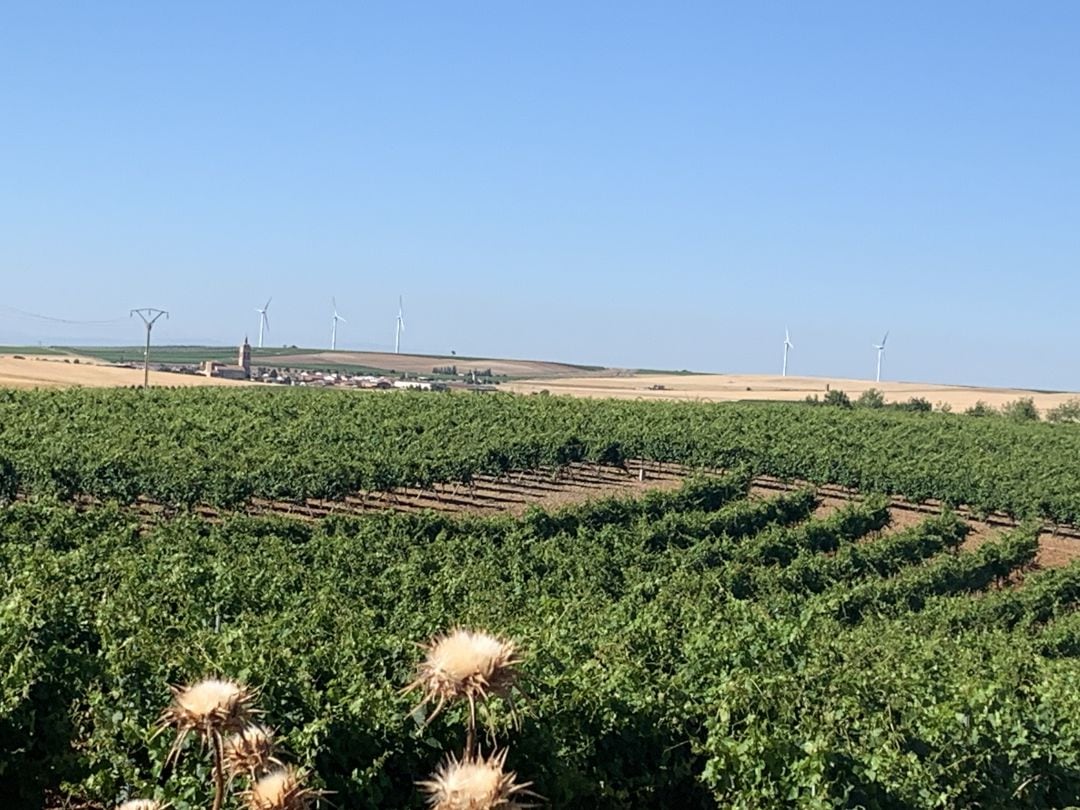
(512, 493)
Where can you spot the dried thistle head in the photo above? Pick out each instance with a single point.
(468, 665)
(475, 784)
(281, 789)
(250, 752)
(210, 707)
(142, 804)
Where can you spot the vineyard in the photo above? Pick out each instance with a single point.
(223, 448)
(701, 643)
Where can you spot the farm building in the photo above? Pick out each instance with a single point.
(420, 385)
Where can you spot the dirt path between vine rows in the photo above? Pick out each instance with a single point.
(517, 491)
(1055, 549)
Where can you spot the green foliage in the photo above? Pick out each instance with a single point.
(870, 398)
(917, 405)
(1065, 412)
(981, 408)
(1021, 410)
(689, 650)
(9, 481)
(223, 446)
(837, 398)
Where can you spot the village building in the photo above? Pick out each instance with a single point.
(241, 371)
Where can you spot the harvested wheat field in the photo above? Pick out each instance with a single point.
(59, 372)
(731, 387)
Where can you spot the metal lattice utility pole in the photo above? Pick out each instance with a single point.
(149, 315)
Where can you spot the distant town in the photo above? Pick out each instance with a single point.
(442, 378)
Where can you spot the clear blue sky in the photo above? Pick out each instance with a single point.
(646, 185)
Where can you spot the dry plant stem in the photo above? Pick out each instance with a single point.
(219, 772)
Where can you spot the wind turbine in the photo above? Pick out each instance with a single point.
(399, 326)
(880, 351)
(787, 345)
(333, 326)
(264, 321)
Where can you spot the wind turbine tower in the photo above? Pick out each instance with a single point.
(880, 353)
(264, 320)
(333, 326)
(399, 326)
(787, 346)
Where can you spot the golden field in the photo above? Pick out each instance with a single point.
(731, 387)
(28, 371)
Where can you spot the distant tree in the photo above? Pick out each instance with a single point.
(812, 399)
(1065, 412)
(981, 408)
(915, 405)
(837, 398)
(871, 398)
(944, 407)
(1021, 410)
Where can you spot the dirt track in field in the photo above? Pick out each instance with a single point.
(59, 372)
(732, 387)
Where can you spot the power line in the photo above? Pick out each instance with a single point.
(149, 315)
(24, 313)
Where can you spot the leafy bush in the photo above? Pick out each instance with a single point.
(837, 398)
(915, 405)
(1065, 412)
(871, 398)
(981, 408)
(1021, 410)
